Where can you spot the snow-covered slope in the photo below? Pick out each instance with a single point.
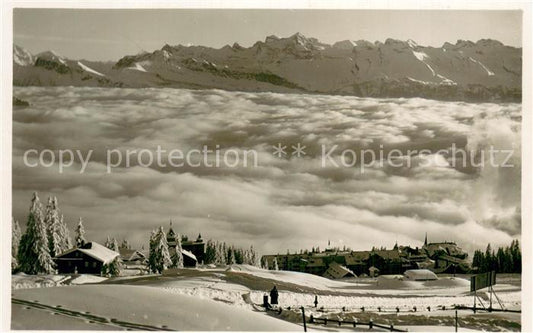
(147, 306)
(485, 70)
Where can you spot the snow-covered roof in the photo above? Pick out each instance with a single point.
(96, 251)
(337, 271)
(189, 254)
(420, 274)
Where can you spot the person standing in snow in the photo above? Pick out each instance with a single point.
(274, 296)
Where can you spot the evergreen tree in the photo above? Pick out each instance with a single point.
(108, 242)
(67, 242)
(177, 256)
(253, 257)
(34, 253)
(516, 256)
(114, 245)
(478, 259)
(159, 258)
(80, 234)
(125, 244)
(220, 254)
(275, 264)
(114, 267)
(57, 239)
(231, 259)
(16, 234)
(210, 252)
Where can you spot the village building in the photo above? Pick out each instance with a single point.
(444, 257)
(193, 251)
(87, 259)
(337, 271)
(132, 257)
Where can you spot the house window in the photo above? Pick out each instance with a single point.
(86, 264)
(94, 264)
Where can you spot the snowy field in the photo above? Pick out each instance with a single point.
(228, 298)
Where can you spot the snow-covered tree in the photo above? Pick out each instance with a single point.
(16, 234)
(114, 245)
(125, 244)
(114, 267)
(107, 242)
(57, 233)
(65, 233)
(159, 258)
(254, 260)
(177, 256)
(220, 254)
(275, 264)
(210, 252)
(80, 234)
(34, 253)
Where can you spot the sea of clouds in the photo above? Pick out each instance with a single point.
(283, 203)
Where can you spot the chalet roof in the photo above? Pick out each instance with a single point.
(129, 254)
(95, 251)
(337, 271)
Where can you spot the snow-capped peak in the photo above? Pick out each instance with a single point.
(21, 56)
(52, 56)
(345, 44)
(412, 44)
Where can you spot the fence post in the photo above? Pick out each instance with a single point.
(391, 327)
(456, 319)
(303, 318)
(311, 319)
(370, 324)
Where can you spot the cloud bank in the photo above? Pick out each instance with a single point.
(284, 203)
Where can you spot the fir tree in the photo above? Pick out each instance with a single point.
(34, 253)
(125, 244)
(16, 234)
(114, 267)
(57, 233)
(80, 234)
(66, 234)
(210, 252)
(177, 256)
(231, 259)
(108, 242)
(275, 264)
(159, 258)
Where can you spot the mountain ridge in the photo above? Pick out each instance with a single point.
(486, 70)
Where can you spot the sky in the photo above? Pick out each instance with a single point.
(110, 34)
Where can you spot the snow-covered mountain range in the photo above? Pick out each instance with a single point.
(485, 70)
